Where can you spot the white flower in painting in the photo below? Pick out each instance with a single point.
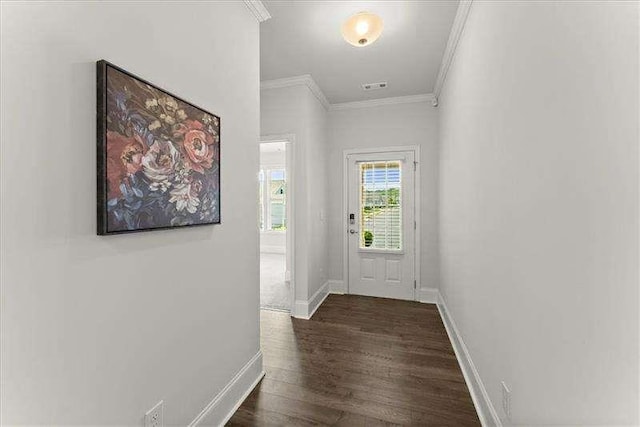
(170, 104)
(181, 173)
(150, 103)
(159, 164)
(181, 115)
(167, 118)
(155, 125)
(162, 186)
(182, 196)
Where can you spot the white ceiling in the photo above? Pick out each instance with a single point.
(303, 37)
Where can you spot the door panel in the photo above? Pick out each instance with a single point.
(381, 224)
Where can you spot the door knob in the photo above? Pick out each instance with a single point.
(353, 231)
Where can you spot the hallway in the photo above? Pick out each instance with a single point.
(275, 291)
(310, 212)
(359, 361)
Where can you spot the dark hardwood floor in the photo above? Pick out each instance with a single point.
(359, 361)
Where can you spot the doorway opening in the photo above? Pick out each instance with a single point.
(275, 222)
(381, 204)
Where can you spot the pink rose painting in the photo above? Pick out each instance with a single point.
(158, 157)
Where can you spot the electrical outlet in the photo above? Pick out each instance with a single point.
(153, 418)
(506, 400)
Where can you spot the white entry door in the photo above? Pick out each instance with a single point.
(381, 224)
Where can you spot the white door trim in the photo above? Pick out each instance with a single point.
(345, 208)
(289, 139)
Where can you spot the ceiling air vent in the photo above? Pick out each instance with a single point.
(374, 86)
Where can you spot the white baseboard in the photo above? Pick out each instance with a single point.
(300, 309)
(337, 287)
(485, 409)
(425, 295)
(305, 309)
(225, 404)
(428, 295)
(265, 249)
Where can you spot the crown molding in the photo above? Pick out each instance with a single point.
(410, 99)
(315, 89)
(454, 37)
(258, 9)
(307, 80)
(303, 80)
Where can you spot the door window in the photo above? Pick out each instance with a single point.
(380, 205)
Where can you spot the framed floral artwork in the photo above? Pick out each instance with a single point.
(158, 157)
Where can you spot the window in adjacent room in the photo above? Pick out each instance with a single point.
(272, 203)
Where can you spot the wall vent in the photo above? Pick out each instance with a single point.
(374, 86)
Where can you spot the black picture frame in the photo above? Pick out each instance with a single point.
(101, 135)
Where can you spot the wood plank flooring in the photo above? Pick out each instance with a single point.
(360, 361)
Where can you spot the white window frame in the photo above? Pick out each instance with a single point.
(266, 198)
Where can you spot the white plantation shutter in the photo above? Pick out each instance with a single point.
(261, 205)
(277, 199)
(272, 199)
(381, 205)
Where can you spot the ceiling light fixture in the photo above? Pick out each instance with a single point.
(362, 29)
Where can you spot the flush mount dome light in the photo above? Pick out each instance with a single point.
(362, 29)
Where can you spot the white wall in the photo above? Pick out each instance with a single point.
(316, 195)
(539, 206)
(273, 241)
(295, 110)
(96, 330)
(386, 126)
